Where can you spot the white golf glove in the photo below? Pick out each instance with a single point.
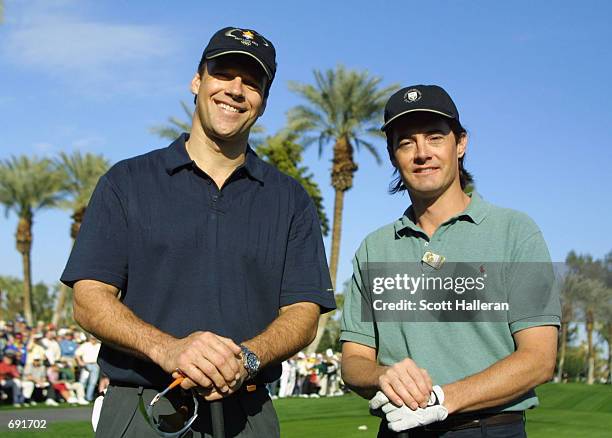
(404, 418)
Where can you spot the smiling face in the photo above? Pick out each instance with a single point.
(230, 96)
(426, 153)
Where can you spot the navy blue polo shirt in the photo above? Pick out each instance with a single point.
(188, 256)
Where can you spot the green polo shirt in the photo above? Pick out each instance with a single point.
(450, 351)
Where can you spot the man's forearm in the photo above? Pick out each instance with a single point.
(116, 325)
(361, 375)
(502, 382)
(292, 330)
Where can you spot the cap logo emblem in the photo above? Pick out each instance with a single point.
(246, 37)
(412, 95)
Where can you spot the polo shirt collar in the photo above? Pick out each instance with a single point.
(176, 157)
(476, 211)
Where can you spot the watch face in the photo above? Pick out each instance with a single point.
(251, 361)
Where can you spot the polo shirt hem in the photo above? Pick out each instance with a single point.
(534, 321)
(359, 338)
(105, 277)
(327, 304)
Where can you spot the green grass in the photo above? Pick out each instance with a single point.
(570, 410)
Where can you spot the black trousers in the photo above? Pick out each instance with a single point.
(512, 430)
(246, 414)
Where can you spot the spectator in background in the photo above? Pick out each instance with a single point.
(86, 356)
(34, 348)
(51, 346)
(70, 391)
(287, 380)
(9, 379)
(68, 346)
(36, 372)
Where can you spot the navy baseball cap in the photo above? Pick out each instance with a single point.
(234, 40)
(428, 98)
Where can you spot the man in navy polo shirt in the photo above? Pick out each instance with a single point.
(203, 258)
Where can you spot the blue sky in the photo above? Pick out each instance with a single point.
(530, 79)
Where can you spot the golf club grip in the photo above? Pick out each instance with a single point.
(216, 418)
(403, 434)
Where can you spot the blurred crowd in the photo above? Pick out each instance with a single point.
(46, 364)
(315, 375)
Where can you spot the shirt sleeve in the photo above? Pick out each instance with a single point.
(306, 274)
(357, 324)
(100, 251)
(533, 288)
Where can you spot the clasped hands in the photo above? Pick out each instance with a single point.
(210, 363)
(408, 398)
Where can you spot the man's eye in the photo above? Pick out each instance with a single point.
(222, 75)
(436, 138)
(253, 85)
(406, 143)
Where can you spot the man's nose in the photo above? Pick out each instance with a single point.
(235, 87)
(422, 149)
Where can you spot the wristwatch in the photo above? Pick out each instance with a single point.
(250, 361)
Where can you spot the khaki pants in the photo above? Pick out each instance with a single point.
(246, 414)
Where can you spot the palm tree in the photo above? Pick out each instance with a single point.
(80, 174)
(28, 185)
(342, 108)
(591, 296)
(604, 310)
(175, 126)
(570, 290)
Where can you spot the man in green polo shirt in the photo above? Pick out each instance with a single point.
(466, 353)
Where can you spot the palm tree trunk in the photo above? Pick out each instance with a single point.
(562, 348)
(343, 169)
(590, 351)
(333, 263)
(610, 353)
(58, 313)
(24, 246)
(77, 219)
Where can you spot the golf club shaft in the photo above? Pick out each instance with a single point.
(216, 418)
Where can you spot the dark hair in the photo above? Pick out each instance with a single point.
(465, 177)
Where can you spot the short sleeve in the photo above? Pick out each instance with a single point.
(306, 274)
(100, 251)
(355, 325)
(533, 289)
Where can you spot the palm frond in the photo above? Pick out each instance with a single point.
(340, 103)
(28, 184)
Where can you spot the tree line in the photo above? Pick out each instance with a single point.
(586, 301)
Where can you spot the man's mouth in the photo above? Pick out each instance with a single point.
(425, 170)
(230, 108)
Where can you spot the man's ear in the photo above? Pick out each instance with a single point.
(462, 145)
(195, 83)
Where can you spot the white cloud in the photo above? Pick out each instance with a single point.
(86, 143)
(44, 148)
(86, 53)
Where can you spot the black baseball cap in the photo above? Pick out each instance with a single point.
(428, 98)
(235, 40)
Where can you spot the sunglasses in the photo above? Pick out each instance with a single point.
(147, 411)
